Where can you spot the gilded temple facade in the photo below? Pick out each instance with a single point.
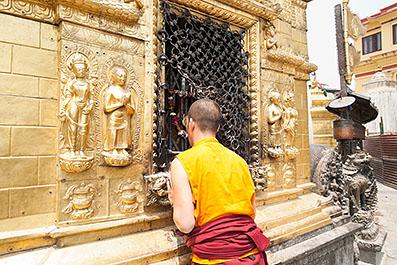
(92, 92)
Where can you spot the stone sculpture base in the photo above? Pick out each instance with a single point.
(117, 160)
(371, 251)
(75, 165)
(334, 247)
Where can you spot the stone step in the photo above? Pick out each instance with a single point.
(25, 239)
(146, 238)
(138, 248)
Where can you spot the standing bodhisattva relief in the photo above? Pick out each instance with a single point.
(282, 118)
(75, 116)
(290, 119)
(119, 108)
(274, 120)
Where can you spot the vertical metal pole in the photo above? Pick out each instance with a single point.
(345, 40)
(340, 44)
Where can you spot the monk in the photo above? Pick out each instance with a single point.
(213, 195)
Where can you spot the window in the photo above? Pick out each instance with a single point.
(395, 34)
(372, 43)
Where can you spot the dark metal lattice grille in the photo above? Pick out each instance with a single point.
(201, 58)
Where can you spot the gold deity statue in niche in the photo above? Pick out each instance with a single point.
(119, 108)
(290, 118)
(75, 116)
(274, 120)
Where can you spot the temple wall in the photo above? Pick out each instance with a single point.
(36, 72)
(28, 123)
(99, 196)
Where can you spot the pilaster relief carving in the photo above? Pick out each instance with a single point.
(128, 196)
(156, 189)
(157, 48)
(289, 173)
(78, 77)
(254, 89)
(81, 201)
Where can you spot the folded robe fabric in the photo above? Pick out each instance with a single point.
(229, 237)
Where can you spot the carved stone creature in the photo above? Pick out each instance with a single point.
(359, 179)
(128, 192)
(75, 117)
(352, 186)
(157, 191)
(119, 107)
(274, 119)
(81, 200)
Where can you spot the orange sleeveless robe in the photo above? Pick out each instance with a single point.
(221, 184)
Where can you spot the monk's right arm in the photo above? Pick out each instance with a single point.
(182, 198)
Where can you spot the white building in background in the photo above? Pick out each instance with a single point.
(383, 93)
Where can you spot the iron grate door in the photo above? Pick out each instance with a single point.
(200, 58)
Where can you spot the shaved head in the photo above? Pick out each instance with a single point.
(207, 115)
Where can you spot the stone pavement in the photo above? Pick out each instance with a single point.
(387, 214)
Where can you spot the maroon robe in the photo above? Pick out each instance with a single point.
(229, 237)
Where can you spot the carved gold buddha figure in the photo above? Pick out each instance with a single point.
(75, 112)
(274, 119)
(119, 108)
(290, 118)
